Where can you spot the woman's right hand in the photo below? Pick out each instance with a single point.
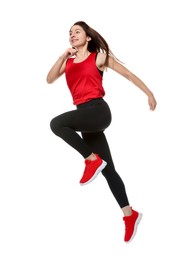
(70, 52)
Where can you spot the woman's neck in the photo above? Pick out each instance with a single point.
(81, 55)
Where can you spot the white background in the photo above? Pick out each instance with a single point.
(44, 212)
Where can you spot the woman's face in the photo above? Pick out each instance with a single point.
(78, 36)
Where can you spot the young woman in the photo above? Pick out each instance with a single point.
(83, 64)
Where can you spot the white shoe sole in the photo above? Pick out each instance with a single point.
(99, 169)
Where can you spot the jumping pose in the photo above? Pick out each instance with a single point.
(83, 128)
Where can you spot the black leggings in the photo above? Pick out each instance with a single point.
(91, 119)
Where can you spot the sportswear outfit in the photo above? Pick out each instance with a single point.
(91, 117)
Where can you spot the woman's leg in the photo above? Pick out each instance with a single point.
(65, 126)
(89, 120)
(90, 117)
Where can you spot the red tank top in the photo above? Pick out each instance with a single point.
(84, 79)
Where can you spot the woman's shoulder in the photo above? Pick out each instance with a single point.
(101, 55)
(100, 60)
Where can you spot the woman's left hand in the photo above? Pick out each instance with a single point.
(152, 102)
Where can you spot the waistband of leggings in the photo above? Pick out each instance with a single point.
(92, 102)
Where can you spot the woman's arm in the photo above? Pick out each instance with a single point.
(123, 71)
(59, 67)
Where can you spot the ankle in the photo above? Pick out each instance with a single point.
(127, 211)
(91, 157)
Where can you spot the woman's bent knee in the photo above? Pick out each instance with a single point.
(54, 126)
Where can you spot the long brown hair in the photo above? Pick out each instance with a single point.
(97, 43)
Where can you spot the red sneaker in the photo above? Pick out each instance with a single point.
(131, 223)
(93, 168)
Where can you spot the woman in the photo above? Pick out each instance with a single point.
(83, 64)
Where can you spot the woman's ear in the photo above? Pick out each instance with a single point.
(89, 38)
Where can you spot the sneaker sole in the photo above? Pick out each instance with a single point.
(99, 169)
(135, 228)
